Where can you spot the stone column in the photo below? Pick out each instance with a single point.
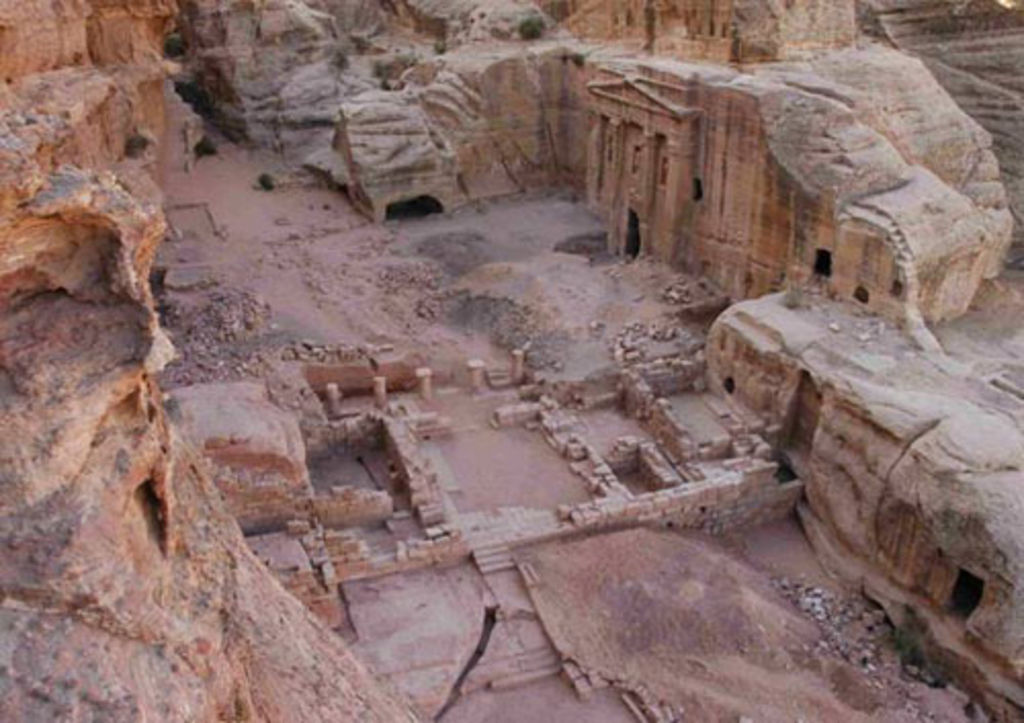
(333, 400)
(476, 374)
(614, 200)
(425, 377)
(380, 392)
(595, 160)
(649, 189)
(518, 365)
(678, 195)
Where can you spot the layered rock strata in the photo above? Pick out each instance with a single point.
(801, 176)
(912, 463)
(976, 51)
(467, 126)
(718, 30)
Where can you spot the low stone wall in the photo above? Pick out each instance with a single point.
(365, 430)
(263, 509)
(415, 471)
(347, 506)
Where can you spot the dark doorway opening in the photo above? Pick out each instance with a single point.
(897, 288)
(862, 295)
(823, 263)
(633, 235)
(966, 594)
(149, 503)
(698, 189)
(730, 385)
(806, 412)
(414, 208)
(785, 472)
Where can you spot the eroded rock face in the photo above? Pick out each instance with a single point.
(799, 175)
(128, 593)
(256, 448)
(275, 71)
(719, 30)
(975, 50)
(913, 468)
(467, 126)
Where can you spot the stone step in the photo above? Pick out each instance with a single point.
(493, 558)
(542, 659)
(499, 379)
(513, 681)
(538, 658)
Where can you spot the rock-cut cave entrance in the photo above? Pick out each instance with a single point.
(633, 235)
(414, 208)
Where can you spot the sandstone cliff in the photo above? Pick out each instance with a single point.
(718, 30)
(975, 50)
(913, 466)
(468, 126)
(127, 592)
(276, 72)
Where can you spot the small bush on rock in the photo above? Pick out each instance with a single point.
(531, 27)
(793, 298)
(196, 96)
(205, 147)
(174, 45)
(266, 182)
(339, 60)
(136, 145)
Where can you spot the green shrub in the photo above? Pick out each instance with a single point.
(380, 69)
(907, 642)
(196, 96)
(440, 47)
(361, 44)
(135, 145)
(205, 147)
(339, 60)
(793, 298)
(174, 45)
(266, 182)
(531, 27)
(579, 59)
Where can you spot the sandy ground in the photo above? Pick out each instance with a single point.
(298, 263)
(707, 630)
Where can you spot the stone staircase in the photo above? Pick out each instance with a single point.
(492, 558)
(499, 379)
(519, 669)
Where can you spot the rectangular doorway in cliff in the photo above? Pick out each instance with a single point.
(967, 593)
(806, 413)
(823, 263)
(413, 208)
(633, 235)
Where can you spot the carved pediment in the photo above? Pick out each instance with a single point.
(641, 94)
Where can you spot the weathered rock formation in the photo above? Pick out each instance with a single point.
(799, 176)
(976, 51)
(913, 464)
(718, 30)
(127, 592)
(274, 72)
(256, 449)
(467, 126)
